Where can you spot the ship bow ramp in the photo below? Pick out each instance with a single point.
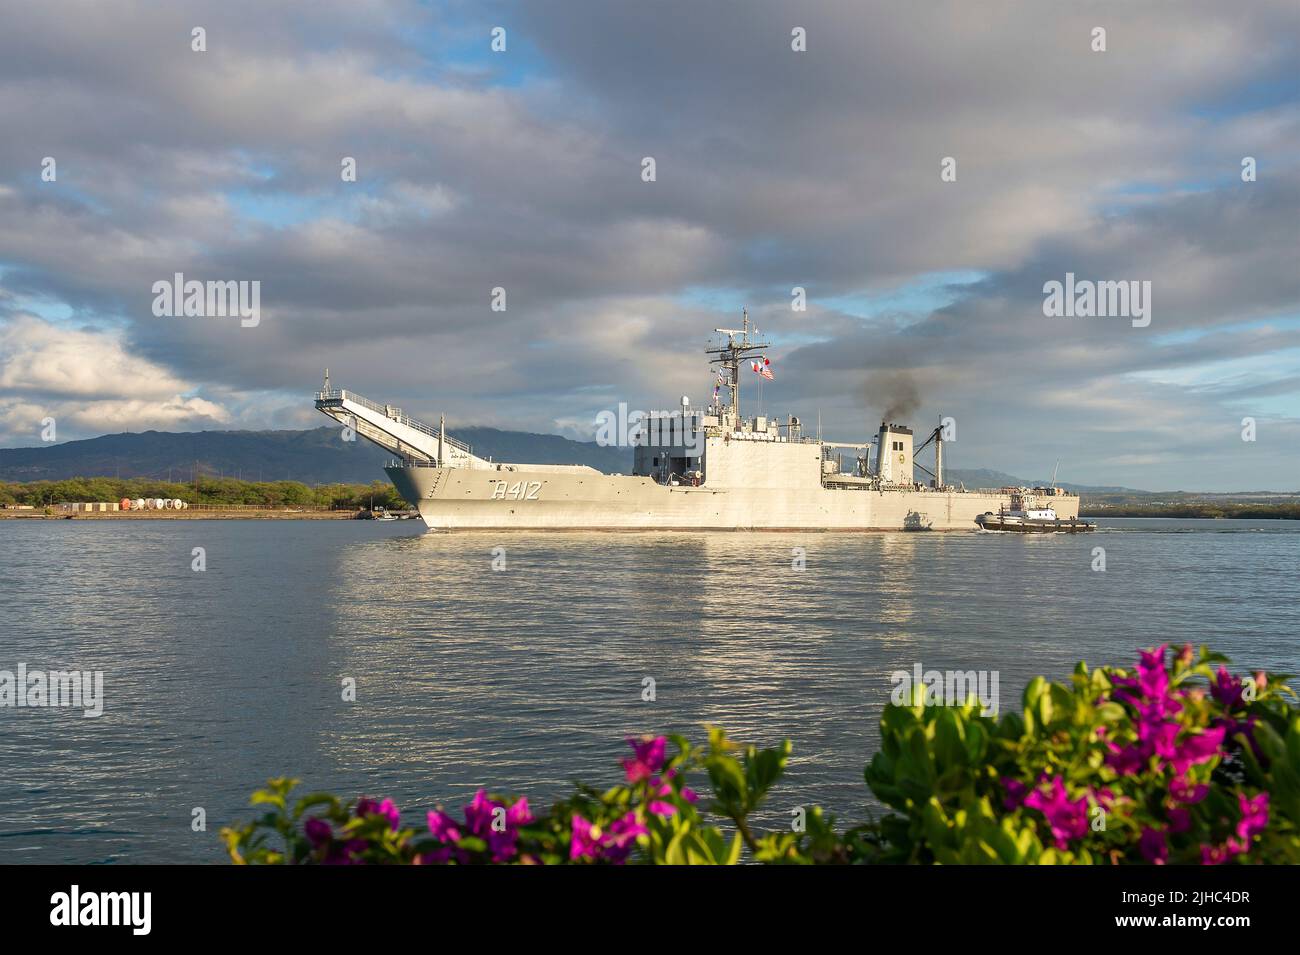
(414, 442)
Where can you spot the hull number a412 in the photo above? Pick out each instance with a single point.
(519, 491)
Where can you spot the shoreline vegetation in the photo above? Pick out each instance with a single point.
(1175, 760)
(208, 497)
(1208, 510)
(213, 495)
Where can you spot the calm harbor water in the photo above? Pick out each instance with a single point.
(526, 678)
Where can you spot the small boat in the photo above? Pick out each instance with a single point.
(1025, 518)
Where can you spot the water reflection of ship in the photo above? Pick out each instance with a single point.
(734, 629)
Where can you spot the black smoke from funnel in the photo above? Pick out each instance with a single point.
(896, 393)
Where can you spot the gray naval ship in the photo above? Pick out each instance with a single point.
(693, 469)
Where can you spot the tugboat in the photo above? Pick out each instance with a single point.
(1025, 518)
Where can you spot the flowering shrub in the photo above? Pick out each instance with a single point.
(652, 816)
(1175, 761)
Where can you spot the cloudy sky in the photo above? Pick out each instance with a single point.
(522, 169)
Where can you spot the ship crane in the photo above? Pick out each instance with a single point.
(937, 437)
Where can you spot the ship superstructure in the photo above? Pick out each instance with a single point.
(707, 468)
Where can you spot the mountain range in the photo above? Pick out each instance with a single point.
(316, 456)
(320, 456)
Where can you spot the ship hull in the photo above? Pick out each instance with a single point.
(521, 499)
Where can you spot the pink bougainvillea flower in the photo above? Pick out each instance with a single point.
(497, 825)
(622, 837)
(486, 818)
(1160, 737)
(1016, 791)
(1067, 818)
(613, 844)
(647, 759)
(478, 814)
(1187, 793)
(387, 808)
(1214, 855)
(1157, 734)
(318, 831)
(1127, 760)
(1198, 748)
(518, 814)
(1186, 654)
(1180, 820)
(442, 827)
(685, 789)
(1254, 820)
(1153, 846)
(658, 806)
(1105, 797)
(1227, 689)
(584, 843)
(1254, 817)
(445, 829)
(346, 853)
(503, 841)
(661, 788)
(1153, 678)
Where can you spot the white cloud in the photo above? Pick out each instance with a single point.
(90, 382)
(774, 169)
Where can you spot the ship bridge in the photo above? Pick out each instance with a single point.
(413, 441)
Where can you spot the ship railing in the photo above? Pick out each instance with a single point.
(391, 413)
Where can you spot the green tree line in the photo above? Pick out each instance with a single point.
(204, 490)
(1249, 512)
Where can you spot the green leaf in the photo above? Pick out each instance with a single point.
(949, 741)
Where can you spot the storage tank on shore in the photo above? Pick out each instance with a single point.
(137, 504)
(125, 504)
(158, 503)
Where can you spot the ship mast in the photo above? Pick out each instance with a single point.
(729, 357)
